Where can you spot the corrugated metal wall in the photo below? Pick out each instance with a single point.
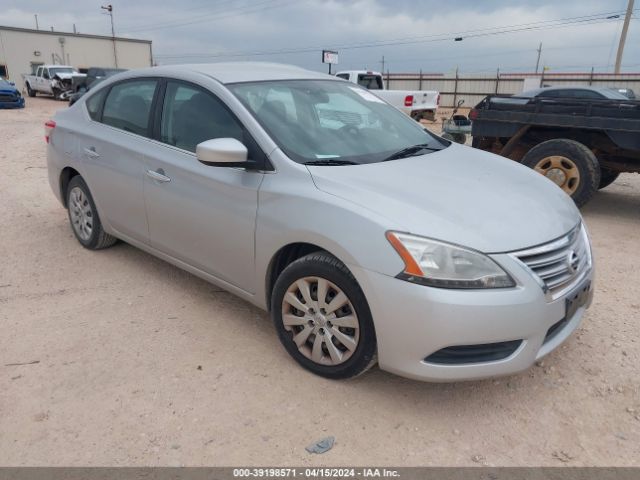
(473, 88)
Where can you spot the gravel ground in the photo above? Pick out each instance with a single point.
(126, 360)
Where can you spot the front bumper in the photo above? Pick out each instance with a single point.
(414, 321)
(19, 103)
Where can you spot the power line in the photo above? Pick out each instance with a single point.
(233, 12)
(559, 23)
(207, 6)
(502, 53)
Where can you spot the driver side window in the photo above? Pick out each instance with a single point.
(191, 115)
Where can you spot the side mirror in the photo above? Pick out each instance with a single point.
(222, 152)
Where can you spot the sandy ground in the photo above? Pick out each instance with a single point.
(130, 361)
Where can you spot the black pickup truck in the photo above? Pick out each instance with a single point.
(580, 144)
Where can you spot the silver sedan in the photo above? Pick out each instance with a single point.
(367, 238)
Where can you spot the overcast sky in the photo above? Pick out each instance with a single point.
(410, 34)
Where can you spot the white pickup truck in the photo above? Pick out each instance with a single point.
(418, 104)
(56, 80)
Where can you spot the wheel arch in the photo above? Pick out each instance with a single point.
(285, 256)
(595, 140)
(65, 177)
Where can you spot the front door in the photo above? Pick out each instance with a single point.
(202, 215)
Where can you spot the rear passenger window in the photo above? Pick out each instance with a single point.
(191, 116)
(586, 94)
(94, 103)
(128, 105)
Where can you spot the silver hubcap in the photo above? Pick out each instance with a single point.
(81, 213)
(321, 319)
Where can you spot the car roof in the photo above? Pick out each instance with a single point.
(607, 92)
(235, 72)
(358, 72)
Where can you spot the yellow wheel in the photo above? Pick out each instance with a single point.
(561, 171)
(568, 164)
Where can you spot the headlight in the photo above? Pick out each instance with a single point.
(443, 265)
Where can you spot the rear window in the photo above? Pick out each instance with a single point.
(128, 105)
(370, 82)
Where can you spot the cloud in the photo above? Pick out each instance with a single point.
(197, 31)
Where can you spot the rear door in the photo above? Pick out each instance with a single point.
(112, 148)
(202, 215)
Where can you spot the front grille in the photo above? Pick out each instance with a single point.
(480, 353)
(8, 97)
(561, 264)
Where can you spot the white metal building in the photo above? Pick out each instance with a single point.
(22, 50)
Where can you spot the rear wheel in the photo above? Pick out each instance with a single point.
(322, 317)
(84, 218)
(30, 91)
(607, 177)
(569, 164)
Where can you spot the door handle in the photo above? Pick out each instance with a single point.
(158, 175)
(91, 152)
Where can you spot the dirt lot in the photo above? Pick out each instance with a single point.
(127, 360)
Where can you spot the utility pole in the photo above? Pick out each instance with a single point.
(37, 27)
(538, 60)
(382, 64)
(109, 9)
(623, 36)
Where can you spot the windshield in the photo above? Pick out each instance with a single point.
(55, 71)
(332, 121)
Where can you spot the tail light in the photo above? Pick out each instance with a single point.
(473, 114)
(48, 129)
(438, 100)
(408, 100)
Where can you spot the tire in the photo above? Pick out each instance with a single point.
(336, 360)
(56, 93)
(448, 136)
(84, 218)
(569, 164)
(607, 177)
(460, 138)
(30, 92)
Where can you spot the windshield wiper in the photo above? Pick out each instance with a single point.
(411, 151)
(330, 161)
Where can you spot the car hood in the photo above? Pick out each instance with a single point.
(6, 87)
(67, 76)
(459, 195)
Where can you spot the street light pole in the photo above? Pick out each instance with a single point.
(623, 36)
(109, 9)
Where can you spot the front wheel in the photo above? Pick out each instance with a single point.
(569, 164)
(322, 317)
(84, 218)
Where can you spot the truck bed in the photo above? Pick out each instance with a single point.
(504, 117)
